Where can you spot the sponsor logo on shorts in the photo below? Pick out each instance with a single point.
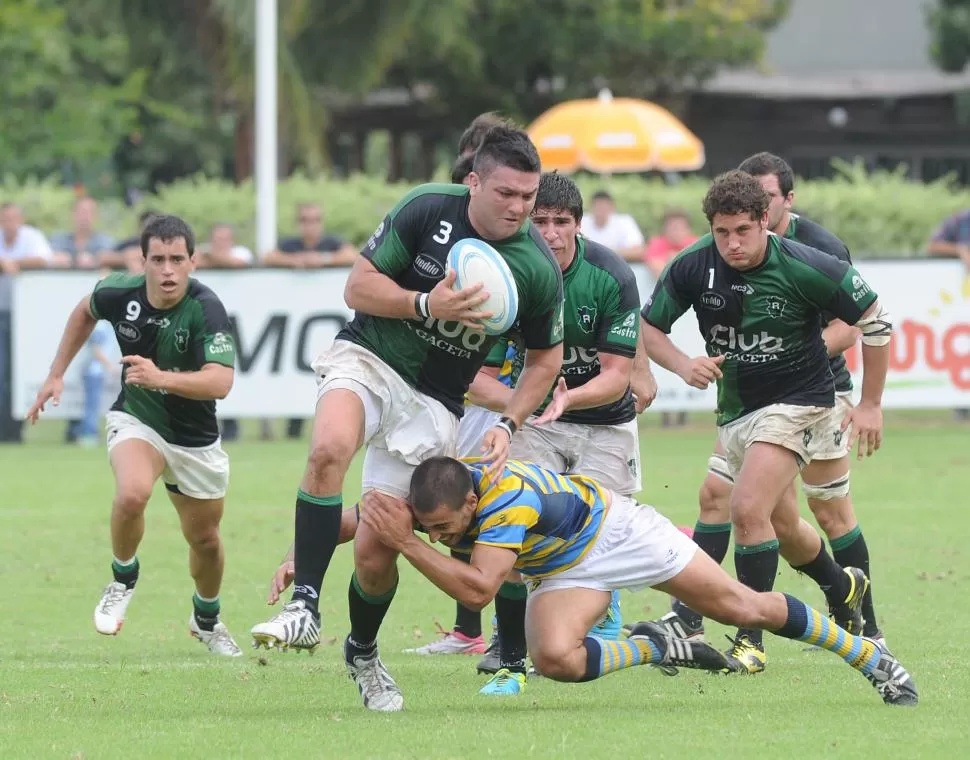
(807, 438)
(586, 318)
(128, 331)
(713, 301)
(837, 437)
(428, 267)
(182, 339)
(775, 306)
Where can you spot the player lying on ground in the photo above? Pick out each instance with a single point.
(825, 480)
(575, 542)
(395, 377)
(177, 347)
(759, 301)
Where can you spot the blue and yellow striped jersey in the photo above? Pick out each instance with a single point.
(505, 374)
(550, 520)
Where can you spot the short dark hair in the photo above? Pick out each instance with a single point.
(462, 168)
(602, 195)
(557, 191)
(437, 481)
(471, 138)
(167, 228)
(735, 192)
(505, 145)
(763, 164)
(146, 216)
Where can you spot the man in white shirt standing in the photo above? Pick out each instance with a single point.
(618, 232)
(21, 246)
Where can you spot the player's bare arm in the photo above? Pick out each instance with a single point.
(488, 391)
(608, 386)
(211, 383)
(839, 337)
(642, 381)
(698, 372)
(538, 374)
(866, 417)
(474, 584)
(370, 291)
(80, 325)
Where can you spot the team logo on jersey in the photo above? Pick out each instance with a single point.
(627, 328)
(161, 322)
(428, 267)
(743, 288)
(182, 340)
(775, 306)
(128, 331)
(860, 288)
(713, 301)
(586, 318)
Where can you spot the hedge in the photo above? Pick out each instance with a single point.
(877, 214)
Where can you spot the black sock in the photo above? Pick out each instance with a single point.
(317, 534)
(713, 538)
(467, 622)
(756, 567)
(510, 614)
(828, 575)
(366, 615)
(850, 550)
(126, 574)
(206, 611)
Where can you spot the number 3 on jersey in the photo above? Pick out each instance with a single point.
(444, 234)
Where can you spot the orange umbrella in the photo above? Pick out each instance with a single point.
(609, 135)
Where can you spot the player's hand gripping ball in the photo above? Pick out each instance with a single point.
(476, 261)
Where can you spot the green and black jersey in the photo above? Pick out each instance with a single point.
(601, 315)
(809, 233)
(764, 321)
(411, 245)
(183, 338)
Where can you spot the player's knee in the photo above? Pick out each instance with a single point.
(131, 499)
(348, 524)
(553, 662)
(205, 541)
(329, 457)
(749, 513)
(714, 499)
(831, 506)
(374, 564)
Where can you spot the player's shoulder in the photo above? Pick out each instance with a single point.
(201, 292)
(815, 235)
(698, 256)
(599, 257)
(125, 281)
(432, 196)
(806, 257)
(540, 257)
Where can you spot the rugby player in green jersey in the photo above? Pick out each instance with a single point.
(396, 376)
(760, 300)
(178, 355)
(825, 480)
(575, 542)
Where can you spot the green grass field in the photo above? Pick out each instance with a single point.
(66, 692)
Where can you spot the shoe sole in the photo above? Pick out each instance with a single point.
(115, 632)
(269, 641)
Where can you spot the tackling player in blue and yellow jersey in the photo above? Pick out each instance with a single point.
(576, 542)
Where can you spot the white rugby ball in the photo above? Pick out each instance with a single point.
(476, 261)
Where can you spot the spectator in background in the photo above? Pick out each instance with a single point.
(83, 247)
(952, 239)
(95, 366)
(222, 251)
(675, 235)
(21, 246)
(313, 248)
(127, 253)
(618, 232)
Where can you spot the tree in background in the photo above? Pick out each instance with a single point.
(949, 23)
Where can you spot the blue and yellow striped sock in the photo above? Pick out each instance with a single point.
(807, 624)
(604, 656)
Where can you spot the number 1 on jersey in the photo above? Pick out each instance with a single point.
(710, 278)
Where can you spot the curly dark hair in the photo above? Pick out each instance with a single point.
(558, 192)
(735, 192)
(167, 228)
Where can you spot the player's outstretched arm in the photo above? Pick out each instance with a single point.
(80, 325)
(866, 418)
(642, 381)
(698, 372)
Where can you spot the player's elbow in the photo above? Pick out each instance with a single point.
(221, 382)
